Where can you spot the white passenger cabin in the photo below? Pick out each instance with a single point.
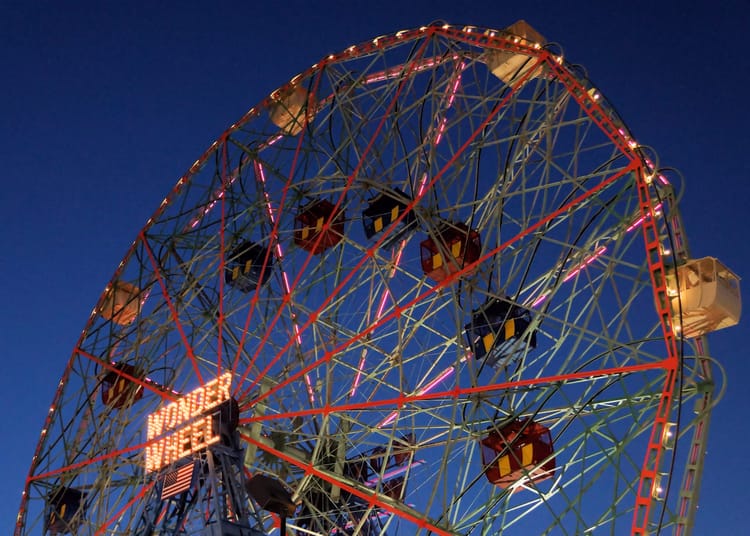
(292, 110)
(509, 66)
(707, 295)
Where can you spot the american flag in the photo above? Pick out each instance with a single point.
(177, 481)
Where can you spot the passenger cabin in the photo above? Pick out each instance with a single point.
(509, 66)
(520, 449)
(369, 467)
(292, 110)
(271, 494)
(245, 270)
(119, 391)
(499, 331)
(317, 228)
(225, 418)
(381, 469)
(384, 209)
(452, 247)
(121, 304)
(64, 511)
(707, 296)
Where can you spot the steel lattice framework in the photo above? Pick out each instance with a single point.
(349, 350)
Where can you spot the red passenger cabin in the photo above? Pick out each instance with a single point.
(119, 390)
(317, 228)
(452, 247)
(520, 449)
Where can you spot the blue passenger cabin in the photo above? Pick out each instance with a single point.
(499, 331)
(65, 511)
(384, 209)
(248, 266)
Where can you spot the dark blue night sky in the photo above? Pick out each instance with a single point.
(105, 105)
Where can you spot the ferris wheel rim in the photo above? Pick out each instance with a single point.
(621, 139)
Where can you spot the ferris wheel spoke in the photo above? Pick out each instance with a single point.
(591, 456)
(127, 506)
(427, 393)
(467, 268)
(175, 317)
(92, 462)
(397, 255)
(531, 228)
(346, 279)
(145, 383)
(435, 135)
(279, 256)
(226, 180)
(372, 498)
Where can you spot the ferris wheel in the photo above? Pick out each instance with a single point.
(432, 285)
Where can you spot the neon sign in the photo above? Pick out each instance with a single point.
(183, 427)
